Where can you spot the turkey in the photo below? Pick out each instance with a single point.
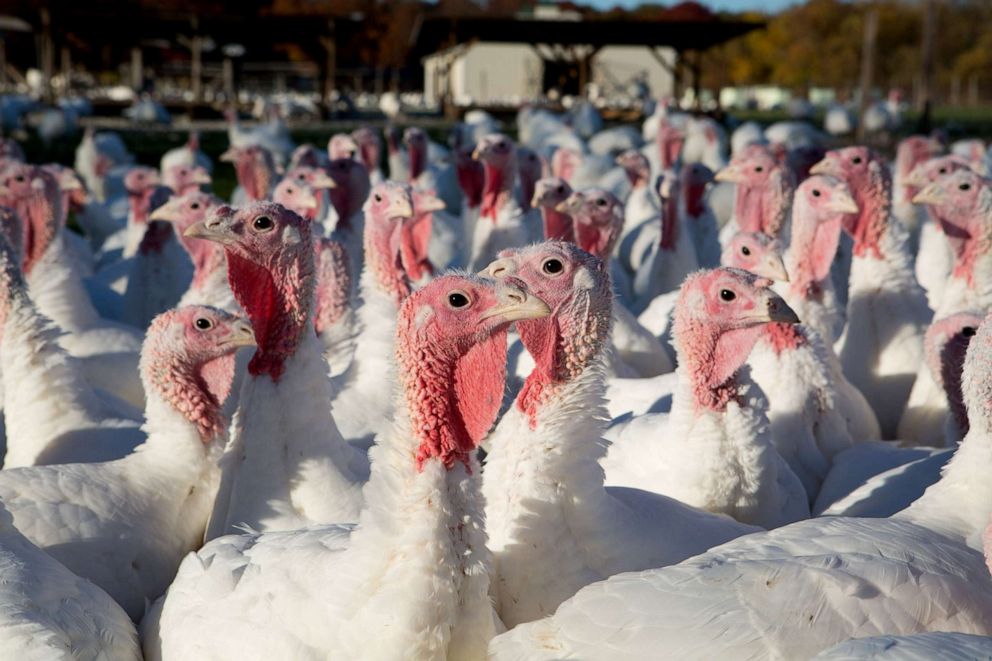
(97, 155)
(803, 588)
(546, 451)
(363, 402)
(714, 450)
(53, 415)
(181, 179)
(188, 155)
(256, 171)
(286, 464)
(549, 193)
(764, 192)
(412, 578)
(48, 611)
(348, 195)
(501, 223)
(126, 524)
(911, 152)
(272, 136)
(887, 313)
(369, 152)
(641, 204)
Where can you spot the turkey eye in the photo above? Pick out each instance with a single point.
(263, 223)
(457, 299)
(601, 202)
(759, 169)
(746, 251)
(553, 266)
(378, 198)
(968, 331)
(942, 170)
(964, 187)
(561, 189)
(289, 191)
(816, 192)
(19, 178)
(195, 205)
(727, 295)
(203, 324)
(856, 160)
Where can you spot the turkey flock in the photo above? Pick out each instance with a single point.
(621, 393)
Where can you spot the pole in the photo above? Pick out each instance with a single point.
(867, 67)
(926, 65)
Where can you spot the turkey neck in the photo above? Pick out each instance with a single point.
(973, 264)
(558, 226)
(870, 226)
(207, 257)
(959, 504)
(420, 547)
(334, 284)
(139, 204)
(498, 187)
(255, 177)
(40, 223)
(813, 246)
(764, 208)
(471, 179)
(595, 239)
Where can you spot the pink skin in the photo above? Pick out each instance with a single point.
(297, 196)
(868, 179)
(762, 255)
(256, 170)
(669, 214)
(565, 343)
(188, 357)
(341, 145)
(34, 194)
(74, 193)
(719, 317)
(184, 212)
(184, 179)
(636, 166)
(416, 146)
(470, 173)
(497, 154)
(316, 178)
(945, 344)
(451, 352)
(369, 147)
(141, 183)
(670, 141)
(963, 202)
(597, 218)
(913, 151)
(693, 180)
(388, 213)
(351, 188)
(548, 194)
(819, 207)
(416, 235)
(564, 163)
(270, 269)
(333, 284)
(764, 188)
(928, 172)
(530, 168)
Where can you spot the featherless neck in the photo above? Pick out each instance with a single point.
(254, 178)
(207, 257)
(557, 225)
(155, 238)
(278, 299)
(563, 346)
(669, 222)
(40, 225)
(784, 337)
(945, 364)
(418, 161)
(811, 252)
(710, 360)
(333, 282)
(140, 205)
(194, 391)
(869, 226)
(385, 265)
(976, 250)
(497, 189)
(692, 197)
(764, 208)
(341, 201)
(594, 239)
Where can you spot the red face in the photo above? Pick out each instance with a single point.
(827, 195)
(755, 252)
(206, 333)
(553, 271)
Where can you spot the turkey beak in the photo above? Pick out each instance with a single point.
(932, 194)
(229, 156)
(570, 205)
(776, 268)
(731, 174)
(499, 268)
(166, 212)
(242, 335)
(480, 152)
(515, 304)
(842, 202)
(211, 229)
(307, 199)
(776, 310)
(536, 200)
(200, 177)
(69, 184)
(824, 166)
(429, 204)
(916, 178)
(401, 208)
(322, 180)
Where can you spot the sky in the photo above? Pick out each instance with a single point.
(728, 5)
